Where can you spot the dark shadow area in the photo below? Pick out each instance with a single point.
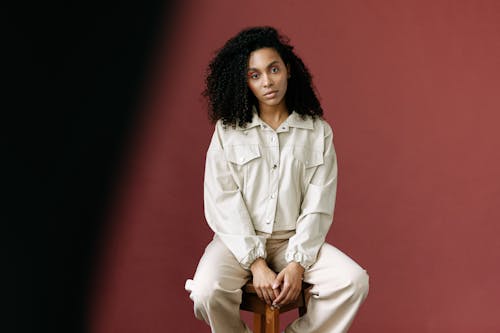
(76, 73)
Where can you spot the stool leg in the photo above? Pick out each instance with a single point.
(259, 323)
(302, 311)
(272, 320)
(303, 308)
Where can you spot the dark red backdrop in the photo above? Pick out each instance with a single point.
(411, 89)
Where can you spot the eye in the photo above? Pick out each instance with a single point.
(275, 69)
(253, 75)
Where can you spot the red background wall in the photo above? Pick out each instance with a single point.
(411, 89)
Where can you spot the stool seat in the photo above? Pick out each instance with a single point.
(266, 318)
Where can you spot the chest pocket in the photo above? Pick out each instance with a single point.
(244, 163)
(242, 154)
(307, 161)
(307, 157)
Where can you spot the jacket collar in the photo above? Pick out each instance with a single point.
(293, 120)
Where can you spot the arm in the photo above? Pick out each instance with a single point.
(225, 209)
(317, 208)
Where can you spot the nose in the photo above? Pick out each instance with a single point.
(268, 82)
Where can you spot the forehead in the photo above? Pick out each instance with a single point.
(261, 58)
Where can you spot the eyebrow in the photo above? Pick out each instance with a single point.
(255, 69)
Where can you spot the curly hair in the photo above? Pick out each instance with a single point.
(230, 98)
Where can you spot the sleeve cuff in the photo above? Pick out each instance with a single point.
(257, 252)
(304, 260)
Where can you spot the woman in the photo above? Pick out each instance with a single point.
(269, 192)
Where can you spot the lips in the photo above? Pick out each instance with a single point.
(271, 94)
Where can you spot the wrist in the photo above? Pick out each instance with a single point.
(297, 266)
(258, 264)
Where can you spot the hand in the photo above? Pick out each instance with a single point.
(290, 278)
(263, 278)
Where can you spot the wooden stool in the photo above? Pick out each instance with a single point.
(266, 319)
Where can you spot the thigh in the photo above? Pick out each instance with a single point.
(276, 250)
(333, 267)
(218, 267)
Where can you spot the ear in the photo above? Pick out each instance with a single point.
(288, 70)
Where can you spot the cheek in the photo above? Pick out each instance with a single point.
(284, 84)
(252, 87)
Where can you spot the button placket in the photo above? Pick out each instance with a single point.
(270, 212)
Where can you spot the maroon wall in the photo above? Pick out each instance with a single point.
(412, 90)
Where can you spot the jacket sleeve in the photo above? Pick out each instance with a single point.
(316, 214)
(225, 209)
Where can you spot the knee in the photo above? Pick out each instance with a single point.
(203, 294)
(360, 284)
(207, 296)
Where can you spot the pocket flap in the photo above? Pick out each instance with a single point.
(310, 158)
(242, 154)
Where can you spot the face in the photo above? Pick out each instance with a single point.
(267, 77)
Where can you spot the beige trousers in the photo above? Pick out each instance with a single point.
(339, 288)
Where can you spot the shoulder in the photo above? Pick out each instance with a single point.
(225, 130)
(321, 125)
(229, 135)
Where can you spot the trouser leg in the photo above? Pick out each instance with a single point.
(216, 289)
(340, 286)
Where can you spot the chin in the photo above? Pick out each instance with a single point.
(272, 103)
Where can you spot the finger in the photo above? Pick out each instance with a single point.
(286, 300)
(271, 294)
(280, 297)
(295, 296)
(279, 279)
(283, 294)
(298, 290)
(259, 293)
(276, 292)
(290, 297)
(266, 296)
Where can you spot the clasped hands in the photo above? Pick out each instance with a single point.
(277, 289)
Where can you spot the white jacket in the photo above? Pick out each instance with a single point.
(260, 179)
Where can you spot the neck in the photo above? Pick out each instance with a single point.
(273, 115)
